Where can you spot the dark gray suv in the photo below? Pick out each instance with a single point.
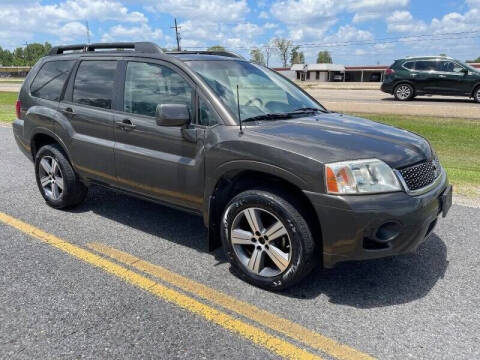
(280, 182)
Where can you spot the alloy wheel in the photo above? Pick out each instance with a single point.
(51, 178)
(261, 242)
(404, 92)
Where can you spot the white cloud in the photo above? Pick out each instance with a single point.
(218, 10)
(63, 20)
(141, 32)
(263, 15)
(248, 30)
(403, 21)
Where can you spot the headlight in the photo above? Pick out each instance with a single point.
(360, 177)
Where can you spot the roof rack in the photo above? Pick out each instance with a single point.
(142, 47)
(207, 52)
(429, 57)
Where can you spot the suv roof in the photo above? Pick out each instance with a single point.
(140, 49)
(425, 58)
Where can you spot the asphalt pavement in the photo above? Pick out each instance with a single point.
(62, 297)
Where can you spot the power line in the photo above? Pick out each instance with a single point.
(380, 41)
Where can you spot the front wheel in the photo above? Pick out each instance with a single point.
(267, 240)
(404, 92)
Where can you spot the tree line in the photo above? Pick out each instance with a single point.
(284, 49)
(24, 56)
(288, 53)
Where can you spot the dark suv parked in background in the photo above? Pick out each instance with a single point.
(281, 182)
(436, 75)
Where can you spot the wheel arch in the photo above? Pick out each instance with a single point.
(234, 182)
(43, 137)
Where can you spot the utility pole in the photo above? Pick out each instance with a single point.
(25, 52)
(176, 27)
(88, 33)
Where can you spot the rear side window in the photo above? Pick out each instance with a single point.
(94, 83)
(49, 82)
(426, 66)
(409, 65)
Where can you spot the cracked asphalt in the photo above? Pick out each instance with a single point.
(52, 305)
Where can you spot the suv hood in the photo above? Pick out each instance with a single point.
(335, 137)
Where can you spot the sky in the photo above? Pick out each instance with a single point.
(356, 32)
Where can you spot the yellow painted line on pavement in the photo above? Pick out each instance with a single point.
(265, 318)
(250, 332)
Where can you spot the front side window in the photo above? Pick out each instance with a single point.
(149, 85)
(94, 83)
(206, 116)
(261, 91)
(49, 82)
(450, 66)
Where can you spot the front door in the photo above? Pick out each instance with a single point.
(165, 163)
(454, 78)
(87, 105)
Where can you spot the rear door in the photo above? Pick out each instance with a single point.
(425, 76)
(166, 163)
(88, 106)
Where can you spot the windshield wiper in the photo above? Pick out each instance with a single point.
(271, 116)
(306, 110)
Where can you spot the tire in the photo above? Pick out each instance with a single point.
(476, 94)
(61, 186)
(404, 92)
(273, 270)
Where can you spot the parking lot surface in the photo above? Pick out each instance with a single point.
(119, 277)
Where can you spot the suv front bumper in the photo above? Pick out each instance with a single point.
(374, 226)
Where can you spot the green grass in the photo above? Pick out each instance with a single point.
(456, 141)
(7, 106)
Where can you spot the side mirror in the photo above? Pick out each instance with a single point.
(172, 115)
(465, 71)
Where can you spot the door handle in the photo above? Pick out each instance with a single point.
(126, 124)
(442, 76)
(414, 75)
(68, 110)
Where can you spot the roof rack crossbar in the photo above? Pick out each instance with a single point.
(57, 50)
(206, 52)
(142, 47)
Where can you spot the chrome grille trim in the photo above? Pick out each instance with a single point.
(440, 179)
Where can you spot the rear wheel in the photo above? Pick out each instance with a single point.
(404, 92)
(476, 94)
(57, 181)
(267, 240)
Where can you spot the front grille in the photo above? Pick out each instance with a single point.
(421, 175)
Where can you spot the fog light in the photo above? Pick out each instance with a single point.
(388, 231)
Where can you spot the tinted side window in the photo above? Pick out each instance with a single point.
(450, 66)
(149, 85)
(94, 83)
(426, 65)
(206, 116)
(409, 65)
(48, 83)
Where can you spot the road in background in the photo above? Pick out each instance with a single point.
(377, 102)
(53, 305)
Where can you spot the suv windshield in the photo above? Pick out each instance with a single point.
(261, 91)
